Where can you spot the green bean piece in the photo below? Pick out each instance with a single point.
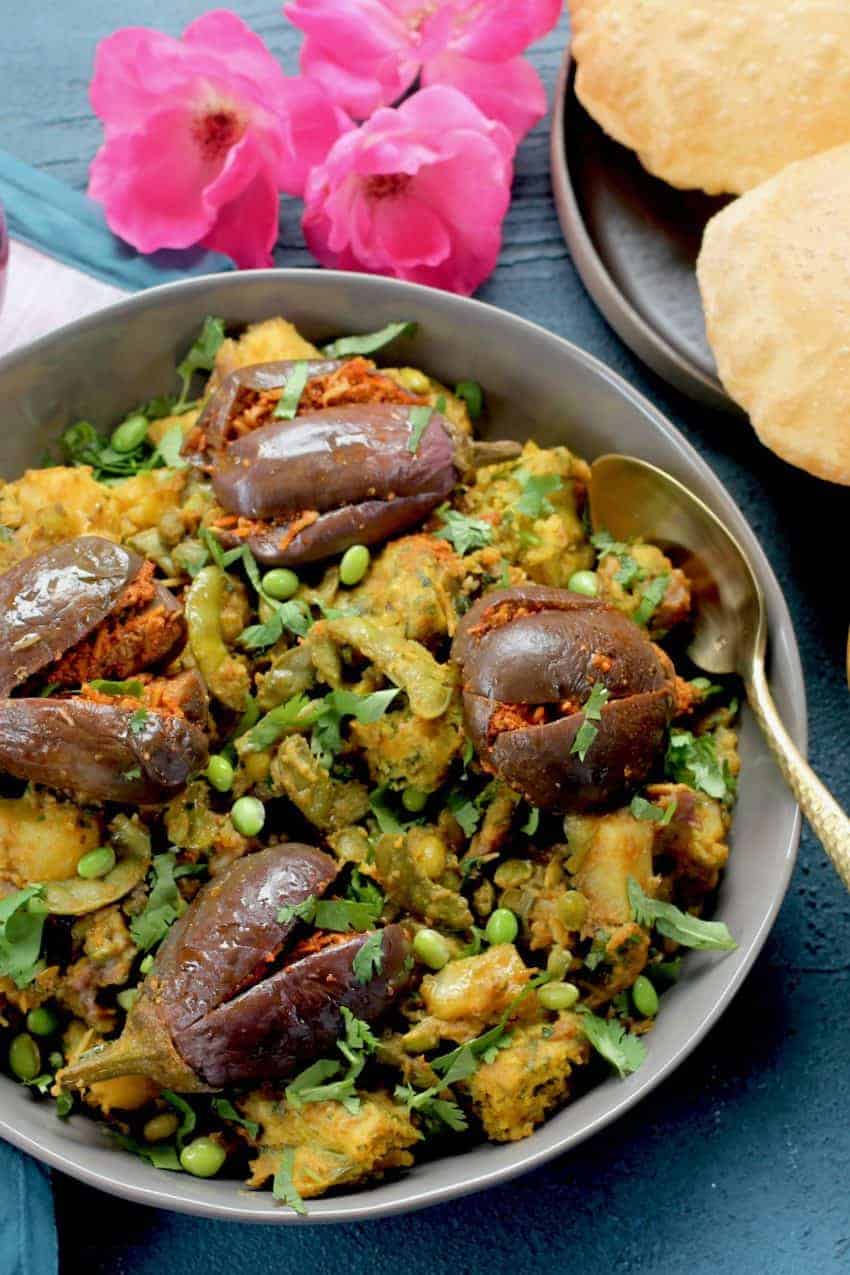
(220, 773)
(24, 1057)
(431, 948)
(248, 816)
(644, 997)
(354, 565)
(42, 1021)
(225, 675)
(130, 434)
(97, 863)
(586, 582)
(502, 927)
(202, 1157)
(558, 995)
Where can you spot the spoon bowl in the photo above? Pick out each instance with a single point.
(632, 499)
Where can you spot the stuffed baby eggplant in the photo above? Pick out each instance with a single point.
(233, 998)
(84, 615)
(541, 665)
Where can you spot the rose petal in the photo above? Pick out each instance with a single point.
(511, 92)
(496, 30)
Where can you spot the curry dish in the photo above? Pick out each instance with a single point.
(355, 800)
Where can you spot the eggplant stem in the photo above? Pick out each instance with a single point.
(493, 453)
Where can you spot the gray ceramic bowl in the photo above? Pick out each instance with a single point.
(538, 386)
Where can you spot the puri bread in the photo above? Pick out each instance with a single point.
(716, 94)
(774, 273)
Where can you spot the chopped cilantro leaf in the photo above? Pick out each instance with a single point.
(188, 1119)
(131, 689)
(419, 418)
(341, 915)
(318, 1083)
(532, 822)
(287, 406)
(368, 342)
(473, 396)
(466, 812)
(160, 1155)
(293, 616)
(705, 687)
(464, 533)
(297, 713)
(535, 489)
(201, 356)
(617, 1046)
(592, 710)
(225, 1110)
(651, 596)
(369, 959)
(693, 760)
(681, 927)
(21, 929)
(169, 449)
(283, 1186)
(165, 903)
(647, 811)
(137, 720)
(629, 572)
(387, 820)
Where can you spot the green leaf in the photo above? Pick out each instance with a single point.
(283, 1187)
(340, 915)
(464, 533)
(160, 1155)
(21, 931)
(169, 449)
(165, 904)
(368, 342)
(532, 822)
(629, 573)
(693, 760)
(188, 1119)
(317, 1082)
(419, 418)
(369, 960)
(201, 356)
(647, 811)
(705, 687)
(473, 396)
(466, 812)
(617, 1046)
(137, 720)
(651, 596)
(287, 406)
(535, 489)
(296, 714)
(225, 1110)
(387, 820)
(64, 1104)
(293, 616)
(364, 890)
(681, 927)
(131, 689)
(592, 710)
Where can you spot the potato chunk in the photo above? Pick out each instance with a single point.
(332, 1146)
(605, 850)
(43, 838)
(476, 989)
(528, 1079)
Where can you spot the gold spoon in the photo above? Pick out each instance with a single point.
(631, 498)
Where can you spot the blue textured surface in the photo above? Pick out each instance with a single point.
(739, 1163)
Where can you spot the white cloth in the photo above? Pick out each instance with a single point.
(43, 294)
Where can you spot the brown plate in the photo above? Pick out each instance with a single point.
(634, 241)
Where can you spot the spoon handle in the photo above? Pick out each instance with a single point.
(829, 822)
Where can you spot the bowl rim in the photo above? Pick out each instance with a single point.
(355, 1206)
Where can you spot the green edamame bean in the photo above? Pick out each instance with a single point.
(42, 1021)
(128, 998)
(502, 926)
(97, 863)
(220, 773)
(431, 948)
(130, 434)
(248, 816)
(354, 564)
(414, 800)
(202, 1157)
(558, 995)
(24, 1057)
(572, 909)
(281, 583)
(644, 997)
(586, 582)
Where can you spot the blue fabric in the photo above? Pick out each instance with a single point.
(738, 1163)
(27, 1231)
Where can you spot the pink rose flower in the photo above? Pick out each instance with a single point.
(201, 135)
(418, 192)
(368, 52)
